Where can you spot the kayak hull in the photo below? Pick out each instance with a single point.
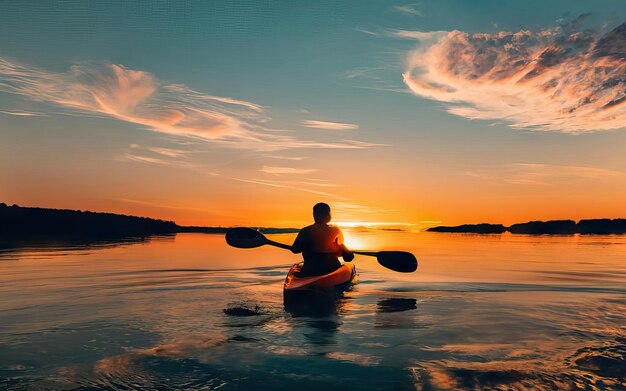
(341, 277)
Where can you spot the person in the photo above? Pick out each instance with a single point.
(320, 244)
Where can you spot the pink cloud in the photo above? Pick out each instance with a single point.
(559, 79)
(138, 97)
(131, 96)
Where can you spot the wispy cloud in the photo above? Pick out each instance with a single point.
(340, 203)
(368, 32)
(159, 205)
(138, 97)
(22, 113)
(145, 159)
(169, 152)
(318, 183)
(358, 72)
(565, 79)
(351, 208)
(293, 158)
(288, 186)
(193, 96)
(372, 224)
(543, 174)
(381, 78)
(329, 125)
(132, 96)
(271, 143)
(424, 36)
(409, 9)
(286, 170)
(158, 155)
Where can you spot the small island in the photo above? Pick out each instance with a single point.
(551, 227)
(24, 222)
(473, 228)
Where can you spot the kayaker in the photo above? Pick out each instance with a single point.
(321, 244)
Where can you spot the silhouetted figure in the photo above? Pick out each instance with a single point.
(321, 244)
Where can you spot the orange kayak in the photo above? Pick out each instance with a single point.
(346, 274)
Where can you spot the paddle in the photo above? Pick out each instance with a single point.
(399, 261)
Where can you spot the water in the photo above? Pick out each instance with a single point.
(188, 312)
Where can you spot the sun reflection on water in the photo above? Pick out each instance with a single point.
(365, 235)
(354, 241)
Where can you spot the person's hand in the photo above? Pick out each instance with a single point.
(348, 256)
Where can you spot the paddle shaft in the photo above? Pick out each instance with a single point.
(276, 244)
(288, 247)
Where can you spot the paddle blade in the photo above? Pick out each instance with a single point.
(245, 238)
(399, 261)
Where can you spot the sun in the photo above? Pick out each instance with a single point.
(353, 241)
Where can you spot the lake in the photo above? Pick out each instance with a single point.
(481, 312)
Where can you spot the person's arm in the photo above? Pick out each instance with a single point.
(346, 254)
(296, 247)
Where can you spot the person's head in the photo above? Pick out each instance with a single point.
(321, 213)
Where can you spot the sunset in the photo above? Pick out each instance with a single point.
(400, 150)
(387, 114)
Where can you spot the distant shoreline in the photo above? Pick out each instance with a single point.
(19, 222)
(551, 227)
(23, 222)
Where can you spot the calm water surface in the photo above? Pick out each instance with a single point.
(481, 312)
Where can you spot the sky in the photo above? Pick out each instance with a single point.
(249, 112)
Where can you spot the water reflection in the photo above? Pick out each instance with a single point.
(396, 304)
(318, 313)
(187, 312)
(397, 313)
(320, 303)
(12, 247)
(589, 368)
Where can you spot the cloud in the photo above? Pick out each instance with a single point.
(286, 170)
(368, 32)
(329, 125)
(22, 113)
(158, 205)
(409, 9)
(358, 72)
(164, 161)
(542, 174)
(131, 96)
(372, 224)
(287, 186)
(157, 155)
(562, 79)
(380, 78)
(270, 143)
(356, 208)
(138, 97)
(145, 159)
(318, 183)
(295, 158)
(169, 152)
(420, 35)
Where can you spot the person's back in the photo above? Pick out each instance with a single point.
(321, 244)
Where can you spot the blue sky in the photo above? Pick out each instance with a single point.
(335, 62)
